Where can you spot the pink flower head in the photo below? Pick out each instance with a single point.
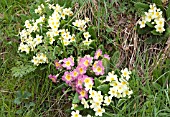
(68, 63)
(67, 77)
(79, 82)
(75, 73)
(81, 69)
(98, 53)
(106, 56)
(83, 94)
(87, 79)
(83, 62)
(98, 68)
(86, 61)
(53, 78)
(57, 64)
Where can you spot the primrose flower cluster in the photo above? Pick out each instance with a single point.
(76, 76)
(48, 30)
(154, 15)
(79, 76)
(119, 87)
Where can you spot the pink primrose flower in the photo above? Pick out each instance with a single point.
(57, 64)
(81, 69)
(98, 53)
(87, 79)
(67, 78)
(83, 94)
(106, 56)
(79, 82)
(53, 78)
(85, 61)
(68, 63)
(98, 68)
(75, 73)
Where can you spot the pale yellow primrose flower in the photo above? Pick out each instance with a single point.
(126, 73)
(107, 100)
(99, 111)
(75, 114)
(73, 106)
(142, 23)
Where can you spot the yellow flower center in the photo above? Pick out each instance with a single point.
(160, 22)
(68, 63)
(125, 73)
(159, 28)
(112, 78)
(99, 110)
(79, 82)
(81, 70)
(57, 64)
(99, 69)
(157, 13)
(53, 79)
(98, 54)
(108, 100)
(126, 92)
(72, 38)
(142, 22)
(113, 92)
(55, 27)
(86, 63)
(68, 77)
(123, 83)
(75, 73)
(83, 93)
(76, 115)
(115, 84)
(87, 80)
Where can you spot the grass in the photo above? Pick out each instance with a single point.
(34, 95)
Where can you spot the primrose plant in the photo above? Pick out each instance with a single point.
(53, 28)
(94, 89)
(153, 18)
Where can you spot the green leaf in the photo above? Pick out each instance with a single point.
(167, 32)
(121, 102)
(107, 114)
(154, 32)
(152, 40)
(157, 2)
(97, 82)
(168, 12)
(23, 17)
(92, 31)
(31, 104)
(80, 107)
(143, 30)
(104, 88)
(141, 6)
(156, 86)
(17, 101)
(19, 94)
(22, 70)
(108, 29)
(145, 90)
(149, 24)
(76, 98)
(106, 64)
(26, 95)
(101, 47)
(19, 112)
(115, 58)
